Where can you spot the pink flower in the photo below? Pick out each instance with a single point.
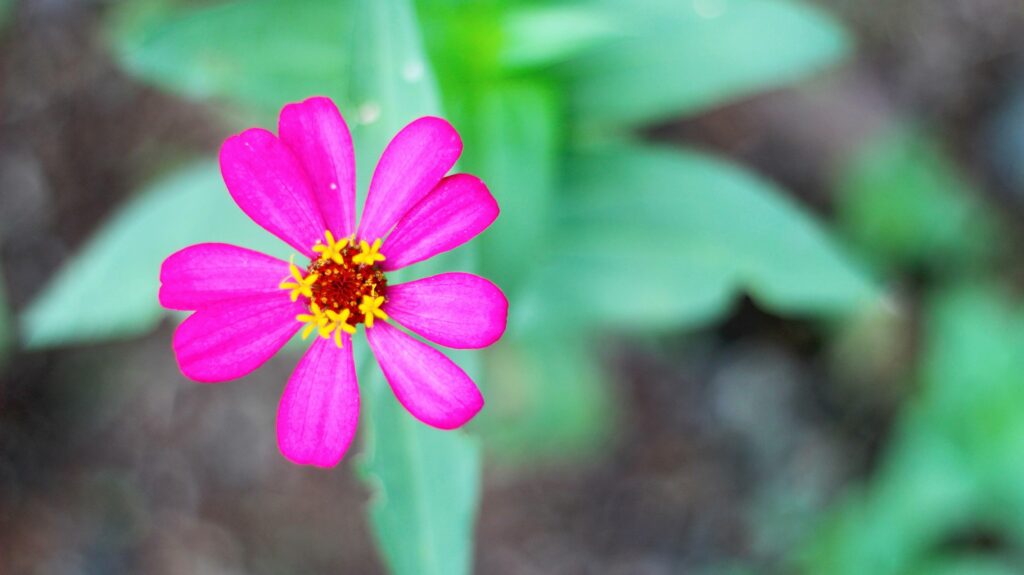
(300, 186)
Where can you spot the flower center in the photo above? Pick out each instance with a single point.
(341, 283)
(344, 287)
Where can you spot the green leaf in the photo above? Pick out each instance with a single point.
(966, 565)
(973, 396)
(681, 58)
(541, 35)
(654, 237)
(906, 203)
(391, 82)
(954, 464)
(257, 53)
(425, 482)
(109, 288)
(512, 144)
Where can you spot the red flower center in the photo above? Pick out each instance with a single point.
(341, 286)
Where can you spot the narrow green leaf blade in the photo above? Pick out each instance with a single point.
(425, 485)
(425, 482)
(681, 58)
(513, 145)
(109, 288)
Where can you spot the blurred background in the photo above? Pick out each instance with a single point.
(764, 260)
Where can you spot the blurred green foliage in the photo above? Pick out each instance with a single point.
(112, 282)
(673, 58)
(692, 232)
(251, 55)
(946, 496)
(906, 204)
(546, 394)
(595, 229)
(954, 468)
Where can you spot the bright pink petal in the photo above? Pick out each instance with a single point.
(428, 384)
(230, 339)
(269, 184)
(204, 274)
(454, 310)
(319, 411)
(458, 209)
(413, 163)
(319, 137)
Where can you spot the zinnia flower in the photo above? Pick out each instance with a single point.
(300, 186)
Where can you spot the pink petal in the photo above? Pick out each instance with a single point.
(431, 387)
(457, 310)
(203, 274)
(319, 411)
(319, 138)
(458, 209)
(232, 338)
(269, 184)
(413, 163)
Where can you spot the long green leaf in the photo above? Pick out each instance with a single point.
(515, 147)
(425, 481)
(256, 53)
(654, 237)
(680, 58)
(425, 484)
(109, 288)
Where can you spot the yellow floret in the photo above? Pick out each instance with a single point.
(301, 285)
(371, 308)
(369, 254)
(332, 249)
(316, 320)
(338, 323)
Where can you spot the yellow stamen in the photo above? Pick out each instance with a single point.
(369, 254)
(371, 308)
(301, 285)
(338, 323)
(316, 320)
(332, 250)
